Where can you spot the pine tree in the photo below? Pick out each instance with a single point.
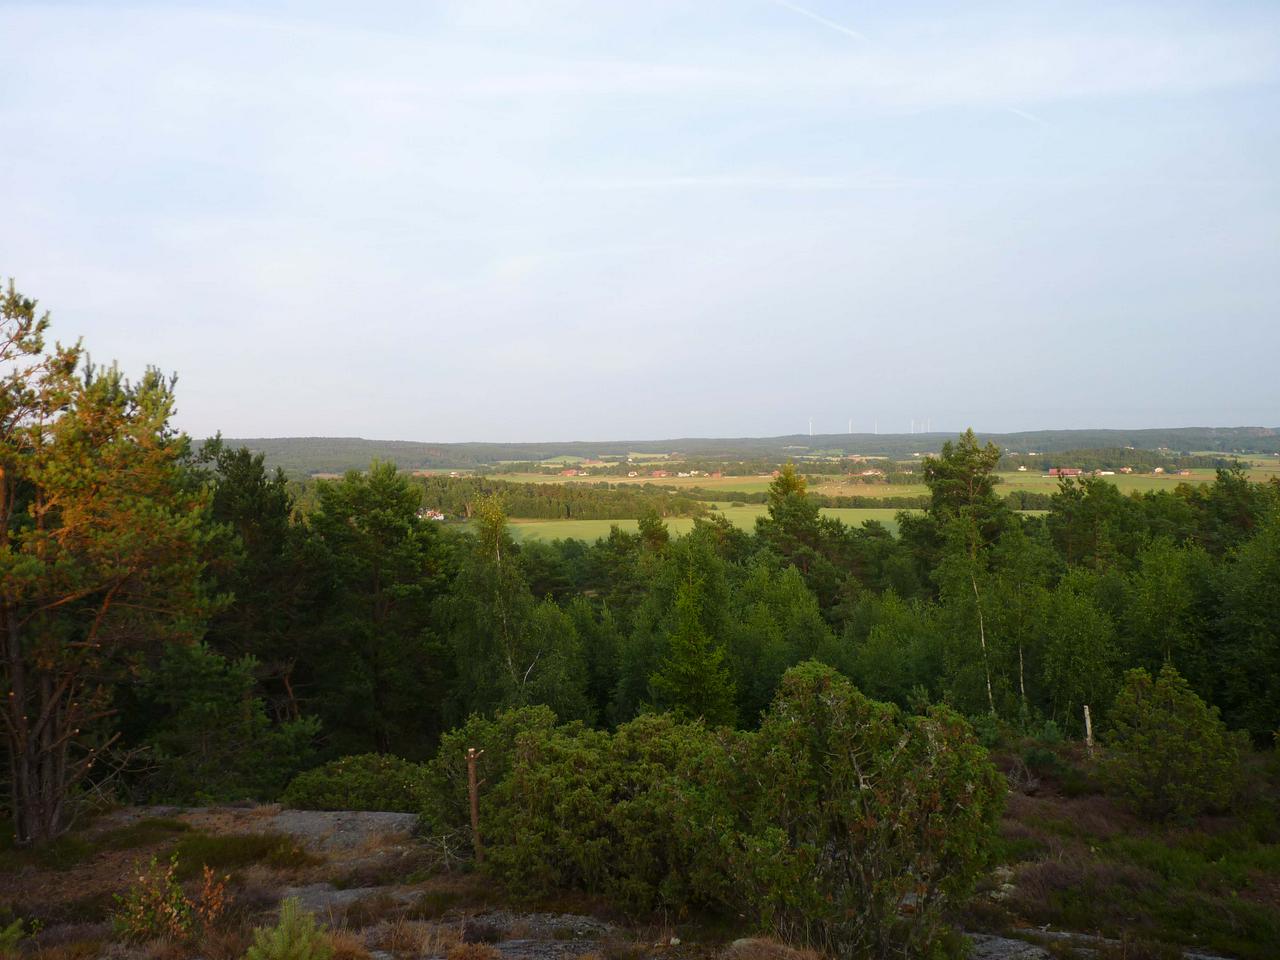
(103, 535)
(693, 679)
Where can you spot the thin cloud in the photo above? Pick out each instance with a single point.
(818, 18)
(1030, 117)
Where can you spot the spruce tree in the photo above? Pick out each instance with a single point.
(693, 679)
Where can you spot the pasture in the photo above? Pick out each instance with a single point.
(1010, 481)
(844, 486)
(726, 484)
(744, 517)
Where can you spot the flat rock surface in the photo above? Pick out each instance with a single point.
(987, 947)
(337, 830)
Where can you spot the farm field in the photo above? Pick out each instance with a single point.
(1034, 482)
(841, 486)
(744, 517)
(728, 484)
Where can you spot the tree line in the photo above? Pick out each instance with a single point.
(458, 496)
(1114, 458)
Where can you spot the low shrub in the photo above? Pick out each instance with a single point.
(367, 781)
(1050, 734)
(156, 907)
(446, 807)
(1041, 760)
(140, 834)
(839, 779)
(671, 815)
(232, 851)
(1170, 756)
(10, 937)
(644, 817)
(296, 936)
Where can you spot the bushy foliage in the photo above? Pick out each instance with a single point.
(857, 812)
(11, 937)
(367, 781)
(156, 907)
(296, 936)
(1170, 756)
(215, 742)
(669, 814)
(642, 816)
(446, 808)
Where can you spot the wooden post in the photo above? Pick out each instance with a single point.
(473, 791)
(1088, 730)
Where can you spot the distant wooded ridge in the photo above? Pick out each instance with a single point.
(304, 455)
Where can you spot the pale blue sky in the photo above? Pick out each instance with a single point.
(508, 220)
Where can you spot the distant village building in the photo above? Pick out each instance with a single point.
(658, 473)
(570, 472)
(1126, 469)
(427, 514)
(632, 473)
(1065, 471)
(1022, 468)
(1158, 470)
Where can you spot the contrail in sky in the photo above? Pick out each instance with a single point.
(820, 19)
(848, 31)
(1029, 116)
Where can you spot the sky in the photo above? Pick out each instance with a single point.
(551, 220)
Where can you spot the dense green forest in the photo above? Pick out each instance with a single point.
(716, 721)
(457, 496)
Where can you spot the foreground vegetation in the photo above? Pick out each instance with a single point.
(788, 723)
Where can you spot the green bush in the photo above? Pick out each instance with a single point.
(295, 937)
(154, 905)
(644, 817)
(1050, 734)
(214, 742)
(231, 851)
(673, 815)
(445, 807)
(368, 781)
(12, 935)
(840, 780)
(1169, 755)
(1041, 760)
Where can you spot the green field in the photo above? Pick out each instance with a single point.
(727, 484)
(744, 517)
(843, 486)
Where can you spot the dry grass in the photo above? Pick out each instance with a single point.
(473, 951)
(764, 948)
(228, 943)
(372, 909)
(79, 950)
(347, 945)
(414, 938)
